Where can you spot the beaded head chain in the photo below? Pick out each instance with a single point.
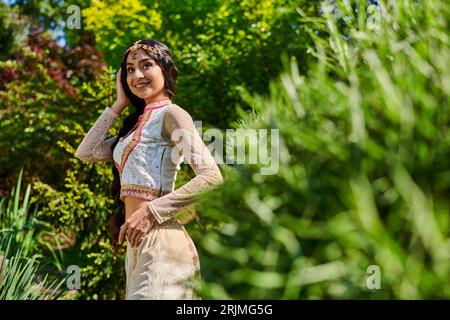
(137, 46)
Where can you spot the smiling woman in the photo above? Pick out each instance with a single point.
(144, 77)
(161, 258)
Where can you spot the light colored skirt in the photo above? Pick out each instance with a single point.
(164, 266)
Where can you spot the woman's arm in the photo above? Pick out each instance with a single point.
(94, 147)
(180, 128)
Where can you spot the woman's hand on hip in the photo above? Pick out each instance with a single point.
(136, 226)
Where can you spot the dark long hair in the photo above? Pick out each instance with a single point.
(170, 73)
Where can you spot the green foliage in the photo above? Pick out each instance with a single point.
(39, 100)
(23, 229)
(364, 142)
(45, 14)
(364, 167)
(136, 20)
(22, 244)
(18, 275)
(83, 214)
(9, 30)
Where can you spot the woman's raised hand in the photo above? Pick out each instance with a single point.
(122, 100)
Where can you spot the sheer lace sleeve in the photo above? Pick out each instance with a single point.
(180, 129)
(94, 147)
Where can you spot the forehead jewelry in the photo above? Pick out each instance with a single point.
(137, 46)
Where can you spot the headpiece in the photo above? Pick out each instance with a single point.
(136, 46)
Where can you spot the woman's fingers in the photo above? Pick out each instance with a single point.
(121, 98)
(122, 233)
(119, 73)
(138, 240)
(134, 236)
(135, 227)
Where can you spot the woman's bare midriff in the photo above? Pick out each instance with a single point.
(133, 204)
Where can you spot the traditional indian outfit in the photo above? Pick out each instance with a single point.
(165, 265)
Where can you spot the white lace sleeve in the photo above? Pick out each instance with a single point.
(179, 126)
(94, 147)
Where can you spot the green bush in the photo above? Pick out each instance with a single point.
(364, 175)
(41, 101)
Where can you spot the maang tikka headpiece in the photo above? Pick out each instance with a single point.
(136, 46)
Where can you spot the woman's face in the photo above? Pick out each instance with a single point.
(145, 77)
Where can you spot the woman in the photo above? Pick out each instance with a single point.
(161, 259)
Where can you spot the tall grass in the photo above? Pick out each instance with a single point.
(21, 244)
(364, 174)
(27, 232)
(18, 277)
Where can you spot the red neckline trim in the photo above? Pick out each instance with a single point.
(158, 104)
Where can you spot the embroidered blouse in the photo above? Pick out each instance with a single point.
(149, 156)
